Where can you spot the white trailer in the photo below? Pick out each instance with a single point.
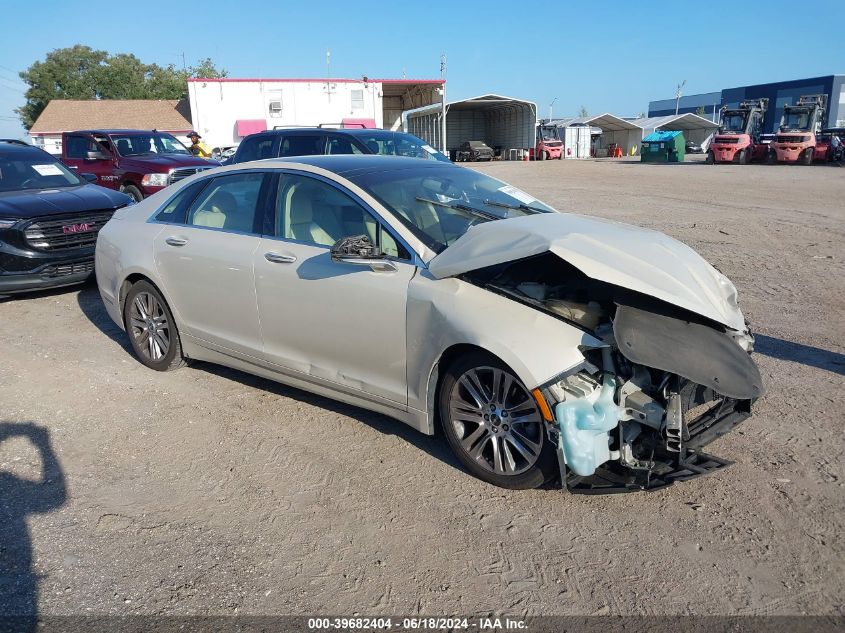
(576, 141)
(225, 110)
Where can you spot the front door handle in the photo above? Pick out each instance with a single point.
(278, 258)
(176, 241)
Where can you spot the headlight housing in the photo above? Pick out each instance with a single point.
(155, 180)
(7, 223)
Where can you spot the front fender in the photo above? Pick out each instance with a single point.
(448, 312)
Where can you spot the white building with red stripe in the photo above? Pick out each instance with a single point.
(226, 110)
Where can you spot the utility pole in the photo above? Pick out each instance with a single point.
(678, 94)
(329, 74)
(551, 111)
(443, 67)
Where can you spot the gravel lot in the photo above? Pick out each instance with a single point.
(209, 491)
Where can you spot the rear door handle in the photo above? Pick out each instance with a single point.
(176, 241)
(278, 258)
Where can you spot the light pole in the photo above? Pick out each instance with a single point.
(551, 111)
(678, 94)
(443, 67)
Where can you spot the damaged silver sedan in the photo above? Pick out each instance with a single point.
(543, 346)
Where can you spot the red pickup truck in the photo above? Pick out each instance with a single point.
(136, 162)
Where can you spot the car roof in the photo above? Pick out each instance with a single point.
(18, 149)
(349, 165)
(296, 130)
(327, 130)
(369, 131)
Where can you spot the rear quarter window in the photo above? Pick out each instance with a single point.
(256, 148)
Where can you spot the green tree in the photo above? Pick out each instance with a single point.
(700, 111)
(583, 112)
(80, 72)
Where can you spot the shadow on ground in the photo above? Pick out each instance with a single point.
(19, 498)
(92, 307)
(799, 353)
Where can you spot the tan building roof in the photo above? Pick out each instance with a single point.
(66, 115)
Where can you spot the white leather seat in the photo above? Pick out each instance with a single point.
(213, 212)
(308, 219)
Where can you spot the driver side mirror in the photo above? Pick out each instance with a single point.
(359, 250)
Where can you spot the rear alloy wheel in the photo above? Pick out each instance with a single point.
(493, 425)
(151, 328)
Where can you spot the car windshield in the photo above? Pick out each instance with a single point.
(399, 144)
(439, 204)
(153, 143)
(796, 120)
(733, 123)
(35, 170)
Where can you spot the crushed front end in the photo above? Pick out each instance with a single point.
(662, 384)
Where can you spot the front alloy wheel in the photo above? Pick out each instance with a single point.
(493, 424)
(151, 329)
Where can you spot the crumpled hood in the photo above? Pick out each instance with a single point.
(638, 259)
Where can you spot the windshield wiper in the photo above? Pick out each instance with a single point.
(520, 207)
(461, 207)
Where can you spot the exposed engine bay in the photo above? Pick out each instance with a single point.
(664, 383)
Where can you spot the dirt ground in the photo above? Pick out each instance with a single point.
(209, 491)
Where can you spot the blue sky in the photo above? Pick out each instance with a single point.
(607, 56)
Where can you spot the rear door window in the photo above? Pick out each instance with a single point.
(256, 148)
(174, 211)
(342, 145)
(302, 145)
(229, 202)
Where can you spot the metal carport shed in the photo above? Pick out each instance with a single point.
(614, 130)
(694, 127)
(503, 123)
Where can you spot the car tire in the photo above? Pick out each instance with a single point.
(743, 157)
(480, 433)
(132, 190)
(711, 158)
(143, 309)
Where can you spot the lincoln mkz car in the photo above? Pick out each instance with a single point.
(543, 345)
